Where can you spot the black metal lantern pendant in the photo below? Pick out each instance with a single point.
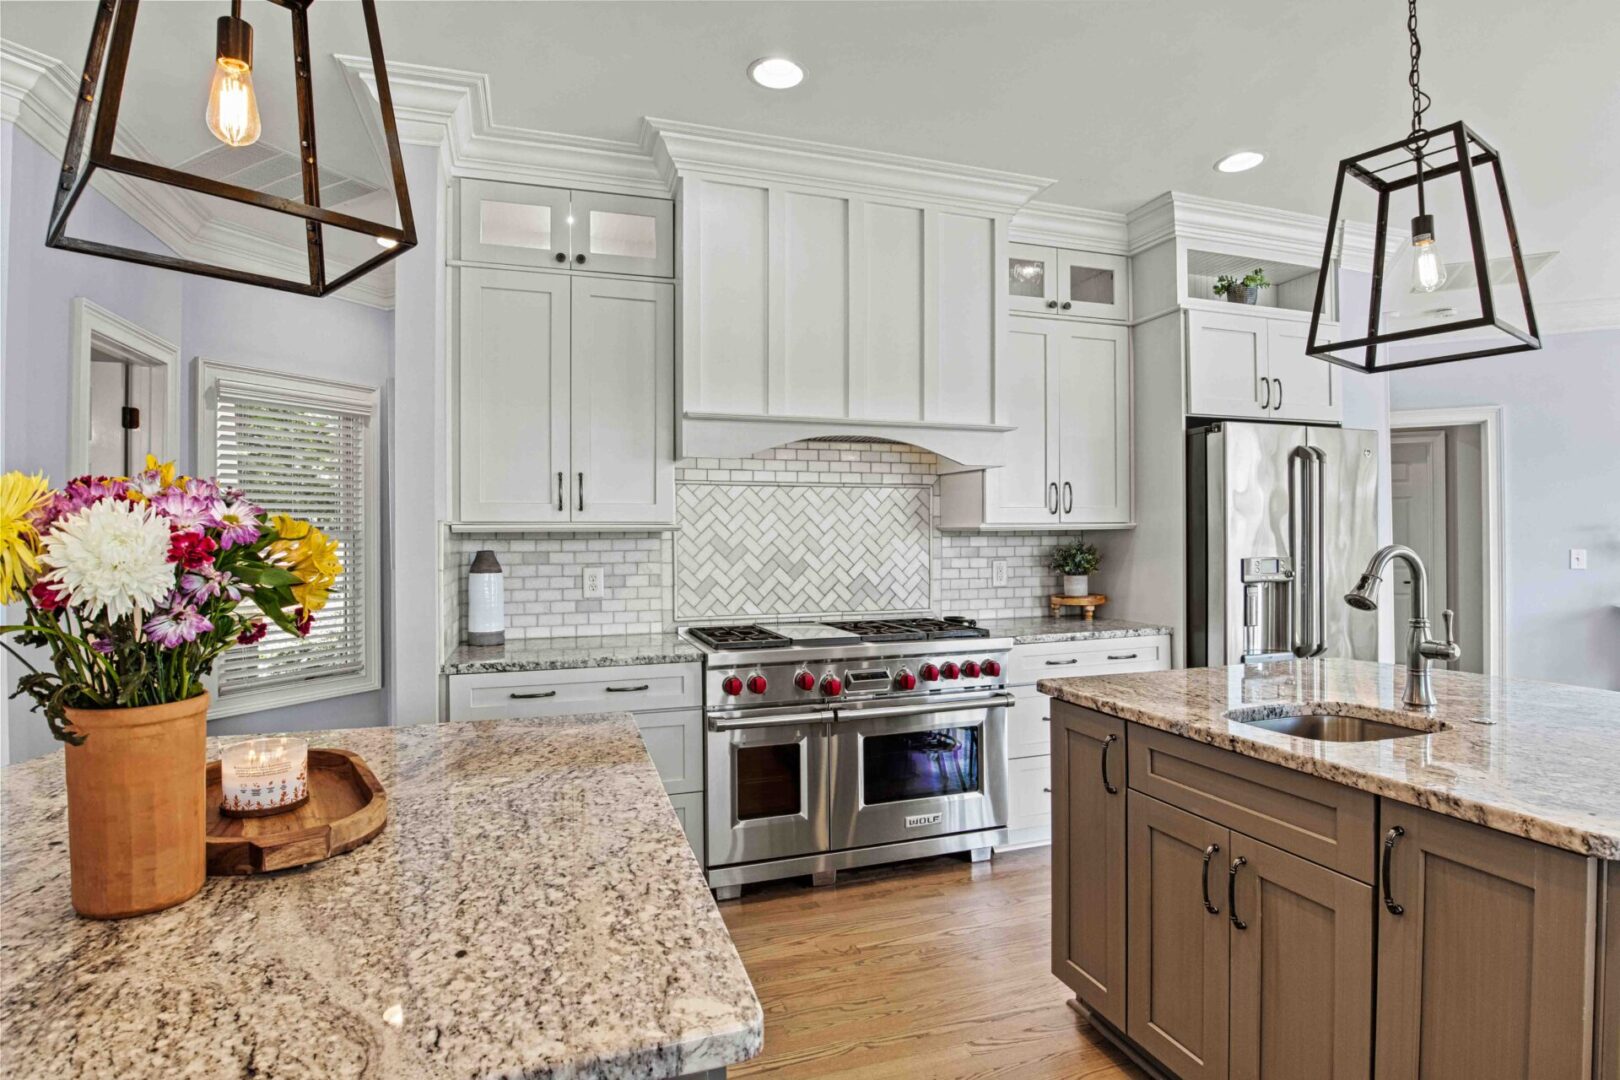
(1435, 311)
(233, 117)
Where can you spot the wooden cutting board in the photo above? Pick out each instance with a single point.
(346, 808)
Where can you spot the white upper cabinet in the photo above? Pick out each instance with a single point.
(1064, 283)
(1094, 437)
(528, 225)
(1251, 366)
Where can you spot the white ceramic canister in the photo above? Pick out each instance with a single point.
(486, 601)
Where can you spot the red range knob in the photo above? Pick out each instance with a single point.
(831, 686)
(991, 668)
(970, 669)
(732, 686)
(929, 673)
(804, 681)
(906, 681)
(756, 684)
(950, 670)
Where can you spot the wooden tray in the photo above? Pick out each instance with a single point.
(346, 807)
(1090, 603)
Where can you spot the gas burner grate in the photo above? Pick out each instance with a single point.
(880, 630)
(935, 629)
(746, 636)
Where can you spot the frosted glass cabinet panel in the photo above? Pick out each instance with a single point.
(1032, 274)
(623, 234)
(526, 225)
(1076, 284)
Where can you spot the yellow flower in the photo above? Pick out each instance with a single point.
(306, 551)
(165, 470)
(20, 496)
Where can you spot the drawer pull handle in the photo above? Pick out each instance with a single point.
(1063, 663)
(1122, 656)
(1389, 851)
(533, 694)
(1209, 853)
(1107, 784)
(1047, 790)
(626, 689)
(1231, 891)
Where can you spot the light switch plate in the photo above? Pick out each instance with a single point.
(1577, 558)
(998, 573)
(593, 582)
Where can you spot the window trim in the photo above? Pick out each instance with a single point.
(306, 389)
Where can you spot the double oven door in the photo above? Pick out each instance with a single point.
(795, 782)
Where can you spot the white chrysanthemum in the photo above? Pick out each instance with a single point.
(112, 556)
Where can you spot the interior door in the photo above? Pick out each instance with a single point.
(516, 224)
(622, 427)
(1417, 493)
(1026, 490)
(622, 234)
(1178, 955)
(1094, 391)
(513, 384)
(1226, 365)
(1032, 274)
(1305, 940)
(1303, 386)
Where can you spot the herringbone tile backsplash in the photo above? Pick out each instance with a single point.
(814, 529)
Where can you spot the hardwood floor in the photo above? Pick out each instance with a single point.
(932, 970)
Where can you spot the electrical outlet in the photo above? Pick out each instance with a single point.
(998, 573)
(593, 582)
(1577, 558)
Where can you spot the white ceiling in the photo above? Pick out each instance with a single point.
(1120, 99)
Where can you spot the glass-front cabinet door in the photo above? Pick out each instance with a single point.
(1032, 278)
(1092, 285)
(513, 224)
(623, 234)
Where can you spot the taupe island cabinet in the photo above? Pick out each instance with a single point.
(1439, 902)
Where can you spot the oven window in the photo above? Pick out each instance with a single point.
(921, 764)
(768, 781)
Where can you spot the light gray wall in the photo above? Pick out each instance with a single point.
(1561, 490)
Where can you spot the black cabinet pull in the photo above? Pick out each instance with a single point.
(1066, 305)
(1068, 497)
(559, 492)
(1266, 383)
(1063, 663)
(1122, 656)
(1209, 853)
(1052, 497)
(1231, 891)
(580, 258)
(1389, 851)
(562, 256)
(626, 689)
(536, 694)
(1047, 790)
(581, 490)
(1052, 304)
(1279, 393)
(1107, 785)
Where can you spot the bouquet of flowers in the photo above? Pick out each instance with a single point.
(134, 584)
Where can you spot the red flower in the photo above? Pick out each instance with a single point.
(252, 632)
(191, 549)
(302, 621)
(46, 596)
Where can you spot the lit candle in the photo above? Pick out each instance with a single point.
(264, 776)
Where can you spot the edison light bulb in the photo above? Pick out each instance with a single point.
(233, 109)
(1428, 267)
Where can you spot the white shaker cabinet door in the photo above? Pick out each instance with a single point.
(1025, 490)
(1303, 386)
(1227, 373)
(513, 389)
(1094, 433)
(623, 422)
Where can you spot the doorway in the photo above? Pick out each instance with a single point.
(125, 394)
(1445, 501)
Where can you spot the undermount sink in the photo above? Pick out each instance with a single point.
(1324, 724)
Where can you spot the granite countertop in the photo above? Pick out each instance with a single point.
(558, 654)
(1542, 764)
(1043, 628)
(532, 909)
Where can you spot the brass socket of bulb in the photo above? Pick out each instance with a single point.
(234, 41)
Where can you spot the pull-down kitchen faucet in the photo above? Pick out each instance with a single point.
(1420, 648)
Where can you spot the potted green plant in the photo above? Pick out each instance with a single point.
(1076, 562)
(1243, 290)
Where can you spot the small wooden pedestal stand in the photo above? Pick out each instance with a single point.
(1091, 603)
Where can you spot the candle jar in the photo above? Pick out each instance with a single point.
(264, 776)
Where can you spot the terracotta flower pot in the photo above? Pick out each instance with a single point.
(136, 814)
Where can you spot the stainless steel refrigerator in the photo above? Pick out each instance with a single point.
(1281, 519)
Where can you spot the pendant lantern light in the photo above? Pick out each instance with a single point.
(232, 115)
(1449, 182)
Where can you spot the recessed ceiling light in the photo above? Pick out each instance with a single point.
(776, 73)
(1242, 161)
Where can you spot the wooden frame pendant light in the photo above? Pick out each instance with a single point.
(1466, 323)
(110, 42)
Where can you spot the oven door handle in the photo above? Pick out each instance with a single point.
(923, 708)
(742, 721)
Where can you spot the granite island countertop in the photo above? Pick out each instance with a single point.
(532, 909)
(1540, 760)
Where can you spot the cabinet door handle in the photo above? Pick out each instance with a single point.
(1279, 393)
(1052, 304)
(1063, 663)
(581, 477)
(1047, 790)
(1122, 656)
(1108, 785)
(562, 256)
(559, 492)
(1231, 891)
(1068, 497)
(1209, 853)
(580, 258)
(1065, 305)
(535, 694)
(1389, 851)
(1265, 382)
(626, 689)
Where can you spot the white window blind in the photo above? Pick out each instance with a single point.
(302, 448)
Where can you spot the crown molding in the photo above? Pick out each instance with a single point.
(454, 110)
(37, 94)
(679, 148)
(1284, 234)
(1055, 225)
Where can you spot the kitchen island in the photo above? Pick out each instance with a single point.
(532, 909)
(1447, 882)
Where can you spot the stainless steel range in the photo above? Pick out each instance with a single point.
(836, 745)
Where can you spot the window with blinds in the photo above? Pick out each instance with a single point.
(305, 448)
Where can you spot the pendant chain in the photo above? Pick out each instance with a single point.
(1418, 140)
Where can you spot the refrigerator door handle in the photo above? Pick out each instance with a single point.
(1301, 508)
(1315, 467)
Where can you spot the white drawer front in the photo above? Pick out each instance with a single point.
(1029, 802)
(675, 743)
(1029, 724)
(1057, 659)
(689, 808)
(504, 695)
